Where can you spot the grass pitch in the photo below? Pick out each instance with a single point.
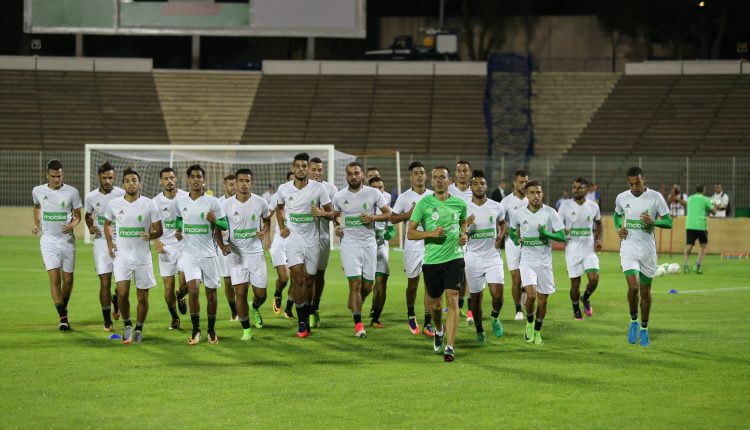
(696, 374)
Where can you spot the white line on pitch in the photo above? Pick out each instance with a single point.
(710, 291)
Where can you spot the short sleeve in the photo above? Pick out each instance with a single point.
(661, 206)
(324, 198)
(76, 199)
(514, 220)
(265, 211)
(555, 222)
(464, 211)
(380, 200)
(89, 206)
(34, 197)
(618, 206)
(109, 213)
(597, 213)
(176, 208)
(500, 213)
(398, 208)
(336, 205)
(155, 215)
(218, 209)
(280, 195)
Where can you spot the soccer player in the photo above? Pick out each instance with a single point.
(357, 206)
(413, 249)
(695, 226)
(136, 221)
(443, 220)
(249, 221)
(511, 203)
(230, 188)
(96, 204)
(316, 174)
(198, 215)
(461, 188)
(57, 211)
(384, 231)
(372, 172)
(168, 248)
(579, 216)
(486, 222)
(637, 212)
(532, 227)
(278, 261)
(300, 202)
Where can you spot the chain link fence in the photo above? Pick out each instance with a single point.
(26, 169)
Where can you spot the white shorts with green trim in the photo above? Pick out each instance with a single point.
(382, 267)
(204, 269)
(140, 272)
(479, 270)
(359, 260)
(413, 263)
(645, 264)
(577, 264)
(248, 269)
(59, 256)
(539, 276)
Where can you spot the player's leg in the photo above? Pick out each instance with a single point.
(231, 296)
(541, 312)
(475, 306)
(631, 277)
(428, 330)
(278, 261)
(298, 277)
(243, 309)
(355, 304)
(212, 282)
(123, 298)
(496, 291)
(686, 258)
(575, 297)
(530, 301)
(171, 300)
(67, 265)
(323, 254)
(515, 291)
(593, 281)
(193, 275)
(258, 275)
(141, 313)
(433, 291)
(412, 268)
(454, 275)
(378, 298)
(703, 240)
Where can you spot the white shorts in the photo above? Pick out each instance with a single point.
(225, 263)
(512, 255)
(325, 254)
(102, 260)
(59, 256)
(142, 272)
(204, 269)
(539, 276)
(248, 269)
(645, 264)
(359, 260)
(413, 263)
(578, 264)
(298, 252)
(278, 251)
(479, 270)
(169, 262)
(382, 267)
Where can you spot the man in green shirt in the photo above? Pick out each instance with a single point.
(698, 206)
(443, 219)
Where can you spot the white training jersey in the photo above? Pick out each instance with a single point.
(197, 232)
(272, 204)
(579, 220)
(168, 216)
(96, 205)
(57, 210)
(325, 224)
(131, 220)
(641, 240)
(511, 204)
(483, 232)
(298, 204)
(463, 195)
(404, 203)
(382, 226)
(352, 205)
(245, 220)
(536, 249)
(224, 233)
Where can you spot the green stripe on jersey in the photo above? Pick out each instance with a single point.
(635, 224)
(487, 233)
(301, 218)
(55, 216)
(100, 219)
(533, 241)
(130, 232)
(195, 228)
(580, 231)
(247, 233)
(353, 221)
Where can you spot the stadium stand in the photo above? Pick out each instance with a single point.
(457, 121)
(20, 118)
(206, 107)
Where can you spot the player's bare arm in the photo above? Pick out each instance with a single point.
(38, 219)
(108, 235)
(67, 228)
(281, 221)
(413, 234)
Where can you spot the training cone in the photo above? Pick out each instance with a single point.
(672, 291)
(115, 336)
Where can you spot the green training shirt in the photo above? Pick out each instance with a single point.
(698, 206)
(431, 213)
